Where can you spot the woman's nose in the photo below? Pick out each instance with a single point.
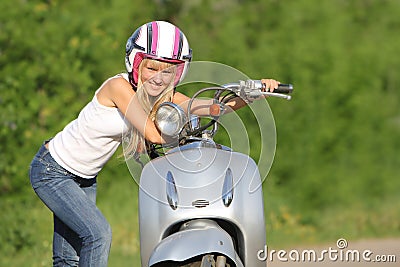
(157, 78)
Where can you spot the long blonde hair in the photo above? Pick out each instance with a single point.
(135, 141)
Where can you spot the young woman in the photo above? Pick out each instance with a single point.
(63, 172)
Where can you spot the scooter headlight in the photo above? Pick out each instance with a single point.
(170, 119)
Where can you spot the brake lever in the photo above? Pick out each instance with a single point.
(287, 97)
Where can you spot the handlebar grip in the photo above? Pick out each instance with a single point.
(284, 89)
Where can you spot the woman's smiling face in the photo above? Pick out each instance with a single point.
(156, 76)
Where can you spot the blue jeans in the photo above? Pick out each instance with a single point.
(82, 236)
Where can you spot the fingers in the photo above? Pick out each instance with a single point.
(270, 84)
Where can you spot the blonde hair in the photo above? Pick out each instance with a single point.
(135, 140)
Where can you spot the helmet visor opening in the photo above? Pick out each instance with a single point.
(180, 65)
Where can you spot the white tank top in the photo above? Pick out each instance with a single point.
(89, 141)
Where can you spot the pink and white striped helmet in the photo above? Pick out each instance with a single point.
(158, 40)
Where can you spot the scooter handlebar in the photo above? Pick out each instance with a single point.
(284, 89)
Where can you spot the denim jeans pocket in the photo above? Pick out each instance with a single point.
(44, 168)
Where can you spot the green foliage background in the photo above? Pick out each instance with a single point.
(336, 169)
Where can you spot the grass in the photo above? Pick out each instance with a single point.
(362, 220)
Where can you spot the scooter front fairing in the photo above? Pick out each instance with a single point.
(194, 186)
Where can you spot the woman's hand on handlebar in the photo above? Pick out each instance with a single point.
(269, 85)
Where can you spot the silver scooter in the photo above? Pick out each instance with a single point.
(195, 206)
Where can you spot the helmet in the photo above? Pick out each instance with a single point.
(158, 40)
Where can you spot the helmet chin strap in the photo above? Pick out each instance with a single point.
(130, 77)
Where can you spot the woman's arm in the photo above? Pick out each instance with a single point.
(117, 92)
(201, 107)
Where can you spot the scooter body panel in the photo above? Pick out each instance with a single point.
(199, 176)
(199, 237)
